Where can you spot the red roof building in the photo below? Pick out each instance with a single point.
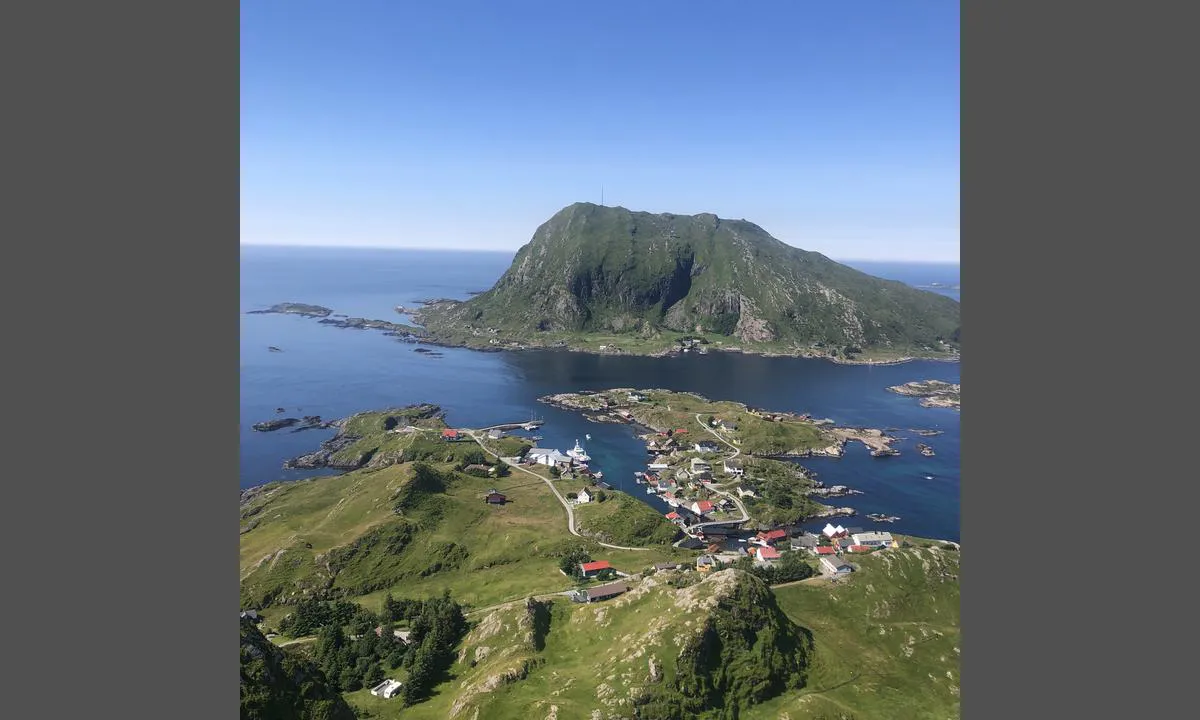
(772, 535)
(681, 431)
(591, 567)
(450, 434)
(672, 515)
(826, 550)
(768, 553)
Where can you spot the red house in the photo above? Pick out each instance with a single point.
(449, 434)
(495, 498)
(591, 568)
(672, 515)
(771, 536)
(826, 550)
(768, 553)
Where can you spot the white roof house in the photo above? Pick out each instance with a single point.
(830, 530)
(834, 565)
(873, 539)
(584, 496)
(386, 689)
(544, 456)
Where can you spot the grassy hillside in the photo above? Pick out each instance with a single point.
(886, 641)
(624, 520)
(386, 526)
(635, 276)
(666, 652)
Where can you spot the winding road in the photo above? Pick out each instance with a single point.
(474, 435)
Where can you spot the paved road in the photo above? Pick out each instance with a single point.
(570, 511)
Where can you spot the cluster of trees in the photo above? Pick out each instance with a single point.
(354, 661)
(355, 647)
(311, 615)
(790, 566)
(436, 627)
(570, 562)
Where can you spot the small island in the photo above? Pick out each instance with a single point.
(294, 308)
(933, 393)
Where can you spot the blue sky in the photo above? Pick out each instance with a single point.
(455, 124)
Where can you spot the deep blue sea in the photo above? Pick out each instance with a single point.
(335, 372)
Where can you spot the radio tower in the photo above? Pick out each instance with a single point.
(601, 196)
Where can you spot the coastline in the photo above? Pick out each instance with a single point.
(405, 334)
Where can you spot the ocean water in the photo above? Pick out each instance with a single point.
(335, 372)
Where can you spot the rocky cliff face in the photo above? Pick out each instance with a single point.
(611, 270)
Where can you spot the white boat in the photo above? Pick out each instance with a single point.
(578, 453)
(585, 437)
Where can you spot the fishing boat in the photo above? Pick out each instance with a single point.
(585, 437)
(536, 438)
(578, 453)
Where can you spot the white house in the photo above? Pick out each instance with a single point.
(495, 434)
(745, 493)
(386, 689)
(584, 496)
(543, 456)
(659, 466)
(733, 466)
(831, 531)
(834, 565)
(873, 539)
(706, 446)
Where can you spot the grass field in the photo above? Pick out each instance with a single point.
(886, 640)
(624, 520)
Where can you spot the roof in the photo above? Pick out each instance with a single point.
(598, 565)
(834, 561)
(772, 535)
(805, 541)
(604, 591)
(768, 553)
(831, 530)
(450, 432)
(703, 505)
(873, 537)
(733, 462)
(704, 560)
(673, 515)
(826, 550)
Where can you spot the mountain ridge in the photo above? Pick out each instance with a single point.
(598, 270)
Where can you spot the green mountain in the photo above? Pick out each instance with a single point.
(276, 685)
(611, 271)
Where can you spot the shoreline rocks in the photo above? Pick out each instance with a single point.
(933, 393)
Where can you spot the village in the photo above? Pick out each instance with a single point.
(700, 479)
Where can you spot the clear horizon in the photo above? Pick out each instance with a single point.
(464, 126)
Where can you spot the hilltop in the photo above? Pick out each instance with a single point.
(640, 282)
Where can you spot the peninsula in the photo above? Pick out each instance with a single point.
(933, 393)
(610, 280)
